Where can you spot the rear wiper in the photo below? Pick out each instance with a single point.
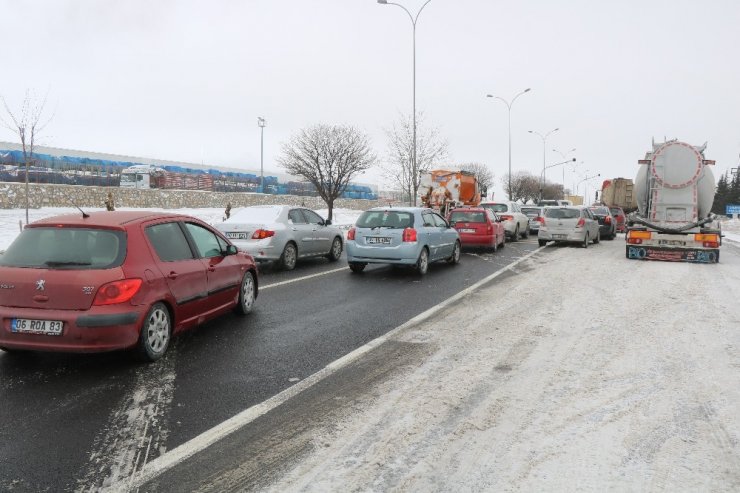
(54, 263)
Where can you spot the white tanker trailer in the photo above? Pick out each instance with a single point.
(674, 189)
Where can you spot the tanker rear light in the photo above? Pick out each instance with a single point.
(708, 240)
(644, 161)
(637, 237)
(710, 162)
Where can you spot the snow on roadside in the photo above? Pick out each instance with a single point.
(619, 375)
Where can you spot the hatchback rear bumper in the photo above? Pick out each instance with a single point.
(111, 329)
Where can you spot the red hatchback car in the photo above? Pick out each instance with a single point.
(118, 280)
(478, 227)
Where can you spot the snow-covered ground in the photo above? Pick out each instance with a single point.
(11, 219)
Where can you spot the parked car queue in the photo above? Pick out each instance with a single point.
(132, 279)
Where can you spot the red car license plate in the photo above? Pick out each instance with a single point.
(28, 326)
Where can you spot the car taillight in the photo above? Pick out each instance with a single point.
(261, 234)
(409, 234)
(581, 223)
(117, 292)
(506, 217)
(351, 234)
(489, 229)
(608, 220)
(540, 219)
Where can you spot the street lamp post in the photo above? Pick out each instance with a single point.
(585, 186)
(544, 145)
(414, 168)
(564, 156)
(261, 123)
(556, 164)
(508, 105)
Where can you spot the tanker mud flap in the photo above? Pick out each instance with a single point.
(669, 254)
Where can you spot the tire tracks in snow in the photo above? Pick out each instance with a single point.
(137, 431)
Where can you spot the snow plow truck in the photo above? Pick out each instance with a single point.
(443, 189)
(674, 189)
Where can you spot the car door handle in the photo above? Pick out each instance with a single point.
(172, 275)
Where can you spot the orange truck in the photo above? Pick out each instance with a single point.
(445, 189)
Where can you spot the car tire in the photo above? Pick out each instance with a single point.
(598, 238)
(289, 257)
(246, 294)
(495, 243)
(155, 334)
(525, 235)
(357, 267)
(503, 241)
(336, 250)
(422, 264)
(515, 236)
(586, 240)
(542, 242)
(455, 257)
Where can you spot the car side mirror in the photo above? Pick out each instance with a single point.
(231, 250)
(327, 222)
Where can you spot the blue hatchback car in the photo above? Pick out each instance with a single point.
(411, 236)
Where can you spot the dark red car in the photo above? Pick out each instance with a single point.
(621, 218)
(478, 227)
(118, 280)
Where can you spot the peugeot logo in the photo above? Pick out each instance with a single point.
(40, 285)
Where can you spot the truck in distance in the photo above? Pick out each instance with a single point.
(444, 189)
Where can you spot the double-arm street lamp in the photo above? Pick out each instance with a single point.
(544, 145)
(261, 123)
(414, 19)
(508, 105)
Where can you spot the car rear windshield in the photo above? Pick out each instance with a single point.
(496, 207)
(531, 211)
(562, 213)
(467, 217)
(66, 248)
(600, 210)
(616, 211)
(255, 215)
(385, 219)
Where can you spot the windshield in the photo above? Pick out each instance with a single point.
(467, 217)
(496, 207)
(562, 213)
(531, 211)
(385, 219)
(66, 248)
(255, 215)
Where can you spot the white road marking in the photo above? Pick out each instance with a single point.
(281, 283)
(179, 454)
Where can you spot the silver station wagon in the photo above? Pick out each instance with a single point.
(411, 236)
(282, 233)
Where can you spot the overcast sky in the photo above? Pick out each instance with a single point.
(186, 80)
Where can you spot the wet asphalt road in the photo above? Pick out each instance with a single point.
(78, 422)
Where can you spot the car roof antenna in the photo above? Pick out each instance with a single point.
(85, 215)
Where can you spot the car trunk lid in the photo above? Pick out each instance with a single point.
(53, 289)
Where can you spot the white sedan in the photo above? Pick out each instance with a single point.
(516, 223)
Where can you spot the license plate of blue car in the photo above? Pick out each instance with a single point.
(378, 240)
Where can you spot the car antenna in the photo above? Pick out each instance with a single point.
(85, 215)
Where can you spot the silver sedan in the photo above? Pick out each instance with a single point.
(283, 233)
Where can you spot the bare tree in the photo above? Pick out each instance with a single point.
(482, 174)
(430, 149)
(27, 125)
(524, 187)
(328, 156)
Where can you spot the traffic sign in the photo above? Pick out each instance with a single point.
(732, 209)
